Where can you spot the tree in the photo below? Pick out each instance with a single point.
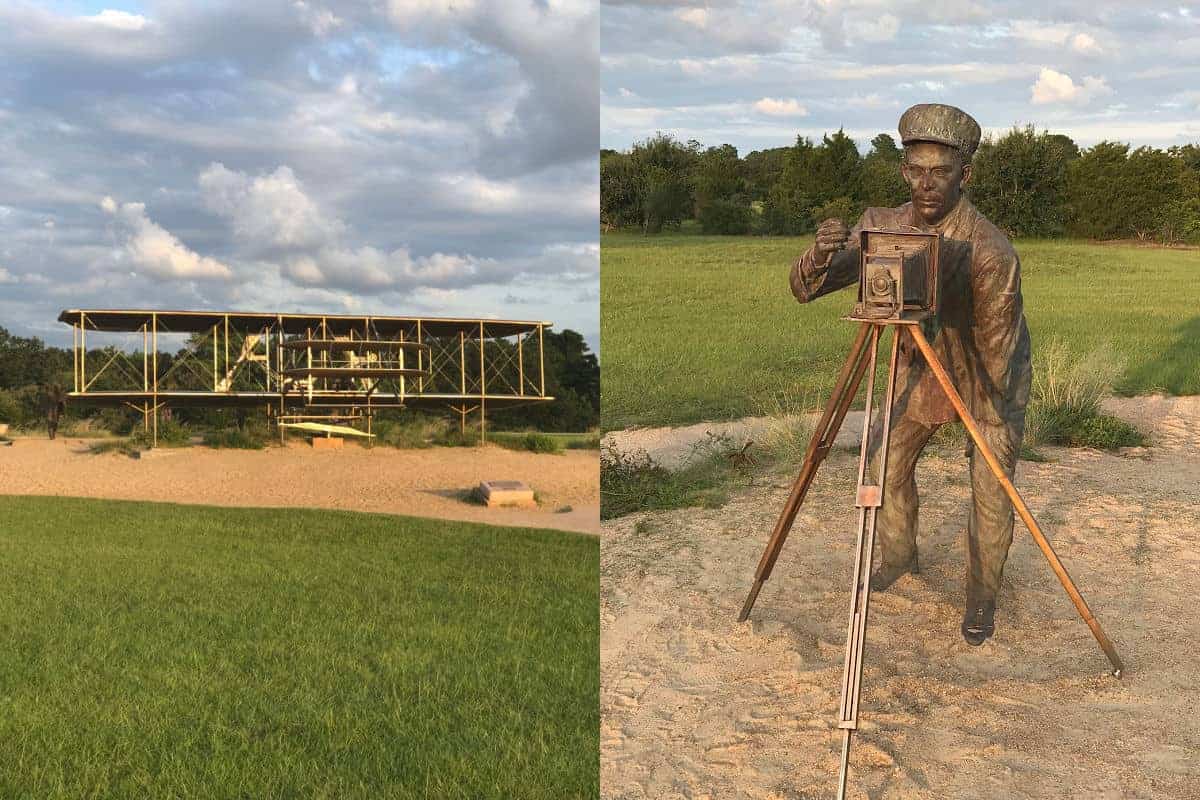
(882, 184)
(664, 167)
(1092, 180)
(761, 170)
(1152, 182)
(620, 191)
(788, 204)
(716, 176)
(1019, 182)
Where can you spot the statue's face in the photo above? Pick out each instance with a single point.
(935, 175)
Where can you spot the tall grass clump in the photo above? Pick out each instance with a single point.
(634, 481)
(1064, 403)
(535, 443)
(787, 427)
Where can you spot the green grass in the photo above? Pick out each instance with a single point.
(705, 328)
(155, 650)
(519, 440)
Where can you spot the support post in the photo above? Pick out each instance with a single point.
(154, 344)
(82, 351)
(482, 390)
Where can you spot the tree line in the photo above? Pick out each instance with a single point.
(28, 367)
(1028, 183)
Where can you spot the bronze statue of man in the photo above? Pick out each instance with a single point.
(980, 335)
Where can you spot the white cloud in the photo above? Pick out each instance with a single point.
(157, 251)
(118, 20)
(269, 211)
(1085, 43)
(1058, 87)
(697, 17)
(877, 29)
(6, 276)
(691, 66)
(780, 107)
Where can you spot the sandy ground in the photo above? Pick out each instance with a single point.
(696, 705)
(426, 483)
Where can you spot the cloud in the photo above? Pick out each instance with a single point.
(697, 17)
(1057, 87)
(1085, 43)
(780, 107)
(878, 29)
(156, 251)
(270, 212)
(6, 276)
(118, 20)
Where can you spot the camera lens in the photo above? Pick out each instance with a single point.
(881, 286)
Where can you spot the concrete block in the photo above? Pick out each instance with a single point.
(327, 443)
(506, 493)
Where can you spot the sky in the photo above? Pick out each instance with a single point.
(757, 73)
(408, 157)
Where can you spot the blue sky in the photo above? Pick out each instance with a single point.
(432, 157)
(755, 73)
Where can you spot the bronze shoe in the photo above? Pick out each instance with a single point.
(979, 622)
(887, 574)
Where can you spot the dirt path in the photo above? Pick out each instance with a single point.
(695, 705)
(426, 483)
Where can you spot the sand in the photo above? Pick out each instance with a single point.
(426, 483)
(696, 705)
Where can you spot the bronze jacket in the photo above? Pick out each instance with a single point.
(980, 331)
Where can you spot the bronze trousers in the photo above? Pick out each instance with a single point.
(990, 526)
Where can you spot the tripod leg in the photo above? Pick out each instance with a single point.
(818, 447)
(869, 499)
(1018, 502)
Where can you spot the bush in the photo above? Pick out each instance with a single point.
(170, 434)
(632, 482)
(726, 218)
(235, 439)
(1064, 406)
(539, 443)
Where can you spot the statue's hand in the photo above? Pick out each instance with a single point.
(832, 235)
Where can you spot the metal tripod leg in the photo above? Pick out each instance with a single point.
(1018, 502)
(818, 447)
(869, 497)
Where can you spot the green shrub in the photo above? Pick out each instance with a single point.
(632, 482)
(170, 434)
(592, 442)
(726, 218)
(539, 443)
(236, 439)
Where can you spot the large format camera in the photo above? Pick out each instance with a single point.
(898, 275)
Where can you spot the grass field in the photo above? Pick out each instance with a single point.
(705, 328)
(185, 651)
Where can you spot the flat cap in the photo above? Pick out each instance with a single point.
(935, 122)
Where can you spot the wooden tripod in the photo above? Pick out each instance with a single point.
(862, 359)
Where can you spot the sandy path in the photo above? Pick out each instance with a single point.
(424, 483)
(695, 705)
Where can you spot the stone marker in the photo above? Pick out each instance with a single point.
(506, 493)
